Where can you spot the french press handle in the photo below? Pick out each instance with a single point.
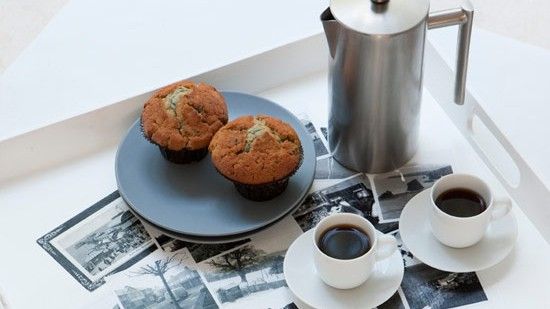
(463, 17)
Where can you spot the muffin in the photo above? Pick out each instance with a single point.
(182, 118)
(258, 154)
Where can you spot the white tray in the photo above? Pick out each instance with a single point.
(51, 174)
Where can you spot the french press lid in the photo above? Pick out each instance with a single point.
(379, 16)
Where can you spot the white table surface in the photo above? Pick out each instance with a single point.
(50, 197)
(95, 59)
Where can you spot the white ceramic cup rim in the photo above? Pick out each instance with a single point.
(371, 233)
(448, 178)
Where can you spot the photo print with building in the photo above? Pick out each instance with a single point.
(251, 275)
(427, 287)
(199, 252)
(162, 280)
(353, 195)
(103, 239)
(320, 146)
(395, 189)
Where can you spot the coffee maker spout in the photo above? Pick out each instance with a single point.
(332, 28)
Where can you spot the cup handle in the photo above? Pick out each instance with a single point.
(501, 208)
(386, 247)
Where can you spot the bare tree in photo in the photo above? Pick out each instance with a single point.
(159, 268)
(238, 260)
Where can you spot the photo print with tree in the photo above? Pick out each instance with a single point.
(162, 280)
(251, 276)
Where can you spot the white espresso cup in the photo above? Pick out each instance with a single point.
(461, 232)
(350, 273)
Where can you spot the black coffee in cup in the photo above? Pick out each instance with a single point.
(344, 242)
(461, 202)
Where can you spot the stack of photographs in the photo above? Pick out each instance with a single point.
(327, 167)
(128, 264)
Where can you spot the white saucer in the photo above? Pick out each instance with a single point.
(308, 288)
(415, 232)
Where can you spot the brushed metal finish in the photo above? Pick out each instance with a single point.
(388, 17)
(375, 78)
(375, 88)
(463, 17)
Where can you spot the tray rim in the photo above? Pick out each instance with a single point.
(310, 56)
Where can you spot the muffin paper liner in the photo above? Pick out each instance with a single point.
(264, 191)
(183, 156)
(261, 192)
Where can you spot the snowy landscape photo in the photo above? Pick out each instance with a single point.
(252, 274)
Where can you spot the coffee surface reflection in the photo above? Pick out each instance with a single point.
(461, 202)
(344, 242)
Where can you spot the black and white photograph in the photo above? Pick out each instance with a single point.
(427, 287)
(251, 276)
(324, 131)
(101, 240)
(320, 147)
(395, 189)
(199, 252)
(162, 280)
(353, 195)
(329, 168)
(394, 302)
(408, 257)
(245, 275)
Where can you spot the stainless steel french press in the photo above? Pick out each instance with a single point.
(375, 77)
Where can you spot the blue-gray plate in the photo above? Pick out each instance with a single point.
(194, 199)
(205, 240)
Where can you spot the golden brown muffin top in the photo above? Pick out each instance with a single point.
(256, 150)
(184, 115)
